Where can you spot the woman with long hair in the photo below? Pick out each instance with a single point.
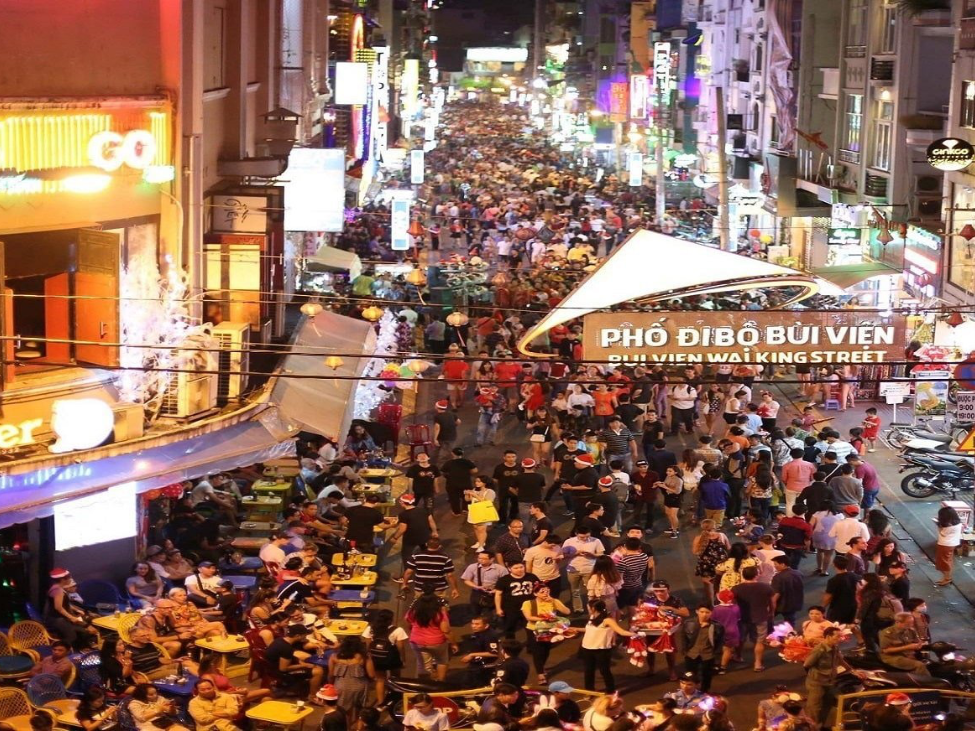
(151, 711)
(711, 548)
(730, 569)
(887, 553)
(387, 648)
(144, 587)
(483, 492)
(430, 635)
(115, 668)
(350, 670)
(672, 486)
(691, 471)
(711, 403)
(873, 596)
(539, 612)
(949, 538)
(484, 376)
(732, 407)
(597, 645)
(94, 713)
(760, 487)
(543, 430)
(604, 583)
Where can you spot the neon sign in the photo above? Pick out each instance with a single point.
(110, 150)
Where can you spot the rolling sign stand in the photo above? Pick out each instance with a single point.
(895, 392)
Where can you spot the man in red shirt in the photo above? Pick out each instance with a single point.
(455, 372)
(506, 373)
(796, 534)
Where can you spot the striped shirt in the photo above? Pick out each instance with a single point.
(632, 567)
(616, 442)
(430, 567)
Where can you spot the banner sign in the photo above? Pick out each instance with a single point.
(639, 95)
(965, 407)
(399, 224)
(416, 167)
(635, 162)
(931, 395)
(618, 91)
(742, 337)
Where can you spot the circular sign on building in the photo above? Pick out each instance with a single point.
(950, 153)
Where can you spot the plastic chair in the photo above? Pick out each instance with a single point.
(832, 402)
(124, 717)
(125, 624)
(30, 635)
(15, 664)
(33, 614)
(258, 666)
(418, 437)
(15, 708)
(391, 415)
(88, 670)
(47, 691)
(100, 596)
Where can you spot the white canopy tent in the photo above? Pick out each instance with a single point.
(651, 265)
(332, 259)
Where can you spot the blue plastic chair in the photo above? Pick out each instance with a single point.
(101, 596)
(33, 614)
(47, 691)
(124, 717)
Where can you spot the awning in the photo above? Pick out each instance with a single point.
(321, 400)
(31, 495)
(652, 265)
(328, 257)
(848, 276)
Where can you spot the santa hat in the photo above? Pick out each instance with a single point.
(528, 463)
(408, 498)
(59, 573)
(442, 405)
(606, 481)
(585, 459)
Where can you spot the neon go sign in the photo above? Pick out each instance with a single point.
(110, 150)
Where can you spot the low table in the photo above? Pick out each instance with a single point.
(279, 713)
(111, 622)
(259, 527)
(248, 543)
(366, 578)
(271, 487)
(226, 647)
(360, 559)
(346, 627)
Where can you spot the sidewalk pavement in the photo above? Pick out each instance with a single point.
(912, 520)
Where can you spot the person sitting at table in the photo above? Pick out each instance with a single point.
(57, 663)
(151, 711)
(161, 628)
(94, 713)
(246, 696)
(263, 603)
(358, 443)
(299, 585)
(187, 618)
(213, 710)
(63, 613)
(320, 637)
(201, 589)
(144, 587)
(115, 668)
(308, 554)
(148, 659)
(289, 665)
(312, 521)
(272, 553)
(155, 555)
(176, 566)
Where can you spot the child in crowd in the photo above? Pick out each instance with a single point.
(871, 428)
(857, 441)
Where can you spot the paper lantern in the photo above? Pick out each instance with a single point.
(389, 375)
(417, 365)
(311, 309)
(174, 491)
(406, 371)
(372, 313)
(457, 319)
(333, 361)
(416, 277)
(152, 495)
(416, 229)
(754, 233)
(765, 238)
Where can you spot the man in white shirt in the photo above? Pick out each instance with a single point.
(582, 550)
(201, 587)
(543, 561)
(849, 527)
(683, 396)
(155, 554)
(764, 554)
(830, 442)
(272, 552)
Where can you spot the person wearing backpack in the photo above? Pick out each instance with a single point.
(387, 647)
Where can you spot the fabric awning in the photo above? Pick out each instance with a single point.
(322, 401)
(653, 265)
(847, 276)
(30, 495)
(328, 257)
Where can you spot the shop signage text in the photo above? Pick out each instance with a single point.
(842, 236)
(950, 153)
(110, 150)
(19, 435)
(742, 337)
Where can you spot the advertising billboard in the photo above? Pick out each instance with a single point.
(314, 198)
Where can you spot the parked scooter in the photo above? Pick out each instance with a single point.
(948, 669)
(931, 474)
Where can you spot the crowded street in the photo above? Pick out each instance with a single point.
(414, 365)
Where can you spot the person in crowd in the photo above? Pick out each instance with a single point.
(57, 663)
(949, 538)
(414, 525)
(151, 711)
(598, 640)
(482, 577)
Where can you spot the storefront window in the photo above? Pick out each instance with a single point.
(883, 124)
(967, 104)
(853, 122)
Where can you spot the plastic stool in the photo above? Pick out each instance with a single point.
(832, 404)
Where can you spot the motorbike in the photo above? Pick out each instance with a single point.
(931, 474)
(948, 669)
(462, 709)
(897, 435)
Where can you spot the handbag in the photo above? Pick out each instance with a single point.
(482, 511)
(539, 437)
(485, 599)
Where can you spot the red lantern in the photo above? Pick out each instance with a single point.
(152, 495)
(754, 233)
(174, 491)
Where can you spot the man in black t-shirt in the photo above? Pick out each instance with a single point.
(513, 668)
(841, 592)
(504, 478)
(541, 526)
(583, 486)
(529, 485)
(421, 479)
(360, 520)
(481, 650)
(458, 473)
(610, 502)
(564, 467)
(510, 592)
(445, 425)
(288, 664)
(592, 521)
(415, 526)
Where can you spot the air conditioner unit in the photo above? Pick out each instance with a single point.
(189, 394)
(129, 421)
(928, 208)
(928, 184)
(233, 358)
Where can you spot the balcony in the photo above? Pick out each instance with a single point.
(923, 128)
(881, 69)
